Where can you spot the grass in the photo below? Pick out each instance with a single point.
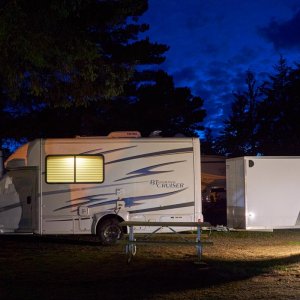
(240, 265)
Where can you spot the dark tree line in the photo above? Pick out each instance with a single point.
(80, 68)
(265, 118)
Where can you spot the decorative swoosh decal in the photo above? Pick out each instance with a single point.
(85, 200)
(92, 197)
(159, 153)
(129, 201)
(76, 205)
(98, 151)
(98, 200)
(8, 207)
(298, 220)
(148, 170)
(180, 205)
(98, 186)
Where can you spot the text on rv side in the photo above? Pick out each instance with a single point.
(166, 184)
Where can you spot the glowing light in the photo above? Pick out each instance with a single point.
(75, 169)
(89, 169)
(60, 169)
(251, 215)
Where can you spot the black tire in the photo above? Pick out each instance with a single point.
(109, 231)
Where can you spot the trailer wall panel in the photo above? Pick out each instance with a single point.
(262, 192)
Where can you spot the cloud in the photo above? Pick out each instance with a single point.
(214, 43)
(283, 35)
(217, 70)
(200, 89)
(186, 74)
(245, 55)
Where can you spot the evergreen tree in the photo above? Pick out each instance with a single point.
(239, 136)
(72, 52)
(208, 144)
(279, 112)
(151, 102)
(64, 60)
(77, 62)
(161, 106)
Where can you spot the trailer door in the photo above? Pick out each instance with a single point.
(25, 183)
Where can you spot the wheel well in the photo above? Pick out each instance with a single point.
(108, 217)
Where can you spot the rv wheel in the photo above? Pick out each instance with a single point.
(109, 231)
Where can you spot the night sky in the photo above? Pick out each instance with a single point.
(214, 42)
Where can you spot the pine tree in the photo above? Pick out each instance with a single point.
(279, 112)
(74, 52)
(239, 136)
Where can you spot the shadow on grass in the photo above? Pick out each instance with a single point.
(80, 240)
(166, 276)
(85, 272)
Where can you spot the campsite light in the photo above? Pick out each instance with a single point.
(251, 215)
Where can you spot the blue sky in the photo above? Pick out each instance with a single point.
(214, 42)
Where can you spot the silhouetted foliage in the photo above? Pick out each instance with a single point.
(162, 106)
(70, 68)
(209, 144)
(279, 131)
(76, 68)
(72, 52)
(240, 131)
(148, 105)
(265, 119)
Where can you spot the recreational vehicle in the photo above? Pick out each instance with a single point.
(88, 185)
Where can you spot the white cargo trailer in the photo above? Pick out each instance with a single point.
(263, 192)
(87, 185)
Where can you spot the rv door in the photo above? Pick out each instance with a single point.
(25, 184)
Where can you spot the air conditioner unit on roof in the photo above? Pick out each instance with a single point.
(125, 134)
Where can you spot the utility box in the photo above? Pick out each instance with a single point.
(263, 192)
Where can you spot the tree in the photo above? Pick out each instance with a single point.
(74, 52)
(208, 145)
(240, 132)
(279, 112)
(151, 102)
(75, 68)
(265, 120)
(147, 105)
(161, 106)
(67, 60)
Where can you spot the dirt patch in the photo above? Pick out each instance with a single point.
(240, 265)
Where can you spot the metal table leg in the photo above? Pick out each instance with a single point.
(130, 246)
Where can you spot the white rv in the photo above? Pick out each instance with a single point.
(262, 192)
(87, 185)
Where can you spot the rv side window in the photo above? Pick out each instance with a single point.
(74, 169)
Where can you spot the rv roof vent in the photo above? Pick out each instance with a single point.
(155, 133)
(125, 134)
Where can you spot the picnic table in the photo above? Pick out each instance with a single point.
(131, 245)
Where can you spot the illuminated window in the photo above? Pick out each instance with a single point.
(89, 169)
(74, 169)
(60, 169)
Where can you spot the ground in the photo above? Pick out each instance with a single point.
(239, 265)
